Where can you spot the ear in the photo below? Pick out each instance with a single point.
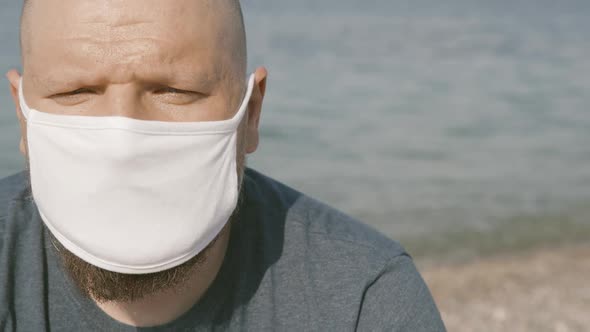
(254, 110)
(14, 79)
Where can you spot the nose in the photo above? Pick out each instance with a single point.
(125, 100)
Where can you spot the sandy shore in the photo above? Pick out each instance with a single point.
(541, 290)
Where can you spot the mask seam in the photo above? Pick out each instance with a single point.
(147, 132)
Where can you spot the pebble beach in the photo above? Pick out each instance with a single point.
(544, 289)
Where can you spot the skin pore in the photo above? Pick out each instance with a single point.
(182, 60)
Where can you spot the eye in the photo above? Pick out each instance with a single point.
(170, 95)
(74, 93)
(173, 90)
(73, 97)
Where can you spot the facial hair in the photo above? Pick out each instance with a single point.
(106, 286)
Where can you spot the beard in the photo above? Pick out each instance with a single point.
(104, 286)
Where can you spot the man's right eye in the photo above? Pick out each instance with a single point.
(73, 97)
(73, 93)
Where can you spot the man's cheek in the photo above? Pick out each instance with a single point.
(23, 139)
(23, 147)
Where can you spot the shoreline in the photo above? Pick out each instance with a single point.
(517, 234)
(538, 289)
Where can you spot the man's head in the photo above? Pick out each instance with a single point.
(182, 60)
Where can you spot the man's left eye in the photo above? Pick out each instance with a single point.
(173, 90)
(170, 95)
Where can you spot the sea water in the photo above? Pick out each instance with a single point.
(413, 116)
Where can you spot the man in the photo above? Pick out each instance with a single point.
(137, 209)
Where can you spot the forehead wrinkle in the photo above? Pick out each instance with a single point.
(113, 17)
(136, 33)
(121, 50)
(123, 22)
(91, 63)
(125, 31)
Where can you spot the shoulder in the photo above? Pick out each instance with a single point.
(325, 230)
(12, 188)
(347, 267)
(333, 225)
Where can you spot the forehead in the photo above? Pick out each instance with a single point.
(125, 38)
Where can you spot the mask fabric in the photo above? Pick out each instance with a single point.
(133, 196)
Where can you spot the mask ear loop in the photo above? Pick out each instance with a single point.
(247, 94)
(250, 81)
(21, 99)
(243, 108)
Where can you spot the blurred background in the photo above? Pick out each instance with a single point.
(460, 128)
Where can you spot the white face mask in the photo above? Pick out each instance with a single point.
(133, 196)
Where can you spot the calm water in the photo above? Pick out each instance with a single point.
(413, 115)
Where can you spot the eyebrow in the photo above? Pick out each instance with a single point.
(201, 79)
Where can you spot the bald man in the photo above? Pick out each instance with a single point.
(137, 210)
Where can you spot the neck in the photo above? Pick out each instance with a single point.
(166, 306)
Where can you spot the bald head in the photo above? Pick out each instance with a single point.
(194, 46)
(228, 12)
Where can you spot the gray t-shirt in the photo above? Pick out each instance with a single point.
(293, 264)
